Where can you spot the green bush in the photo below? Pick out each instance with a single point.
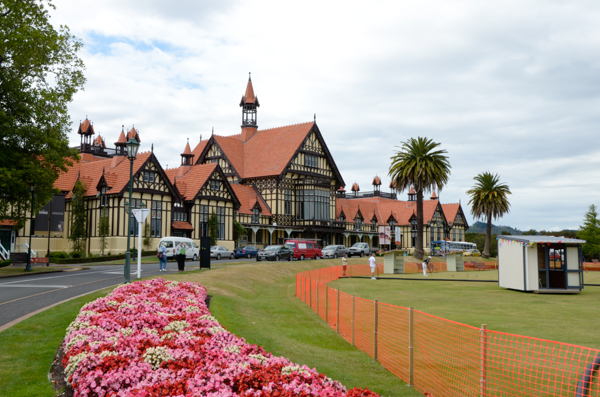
(77, 254)
(5, 263)
(59, 254)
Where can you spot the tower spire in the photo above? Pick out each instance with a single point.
(249, 105)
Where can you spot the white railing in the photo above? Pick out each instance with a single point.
(4, 253)
(33, 252)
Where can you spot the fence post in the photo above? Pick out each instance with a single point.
(310, 292)
(375, 332)
(317, 297)
(326, 304)
(353, 320)
(411, 347)
(337, 314)
(483, 359)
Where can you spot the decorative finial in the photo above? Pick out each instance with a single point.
(200, 137)
(152, 147)
(249, 76)
(123, 128)
(103, 170)
(213, 131)
(188, 141)
(315, 117)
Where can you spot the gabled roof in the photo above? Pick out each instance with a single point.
(189, 180)
(383, 208)
(199, 149)
(249, 197)
(86, 128)
(116, 174)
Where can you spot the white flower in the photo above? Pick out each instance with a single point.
(293, 368)
(190, 309)
(155, 356)
(74, 361)
(77, 325)
(74, 340)
(233, 349)
(258, 357)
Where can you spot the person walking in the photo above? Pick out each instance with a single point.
(424, 265)
(373, 266)
(344, 264)
(180, 252)
(162, 258)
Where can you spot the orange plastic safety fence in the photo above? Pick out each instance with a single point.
(364, 325)
(392, 339)
(450, 359)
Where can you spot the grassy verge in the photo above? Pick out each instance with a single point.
(27, 349)
(253, 300)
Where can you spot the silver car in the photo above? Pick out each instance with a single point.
(219, 252)
(334, 251)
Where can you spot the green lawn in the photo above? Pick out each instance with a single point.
(571, 319)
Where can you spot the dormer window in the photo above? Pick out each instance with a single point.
(103, 197)
(342, 218)
(255, 215)
(374, 227)
(357, 224)
(392, 223)
(215, 185)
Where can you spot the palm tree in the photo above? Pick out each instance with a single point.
(419, 165)
(488, 199)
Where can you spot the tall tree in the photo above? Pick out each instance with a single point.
(489, 199)
(79, 217)
(213, 228)
(39, 74)
(420, 165)
(103, 230)
(590, 232)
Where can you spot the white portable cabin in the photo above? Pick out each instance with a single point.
(542, 264)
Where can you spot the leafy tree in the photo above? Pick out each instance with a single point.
(213, 228)
(238, 230)
(103, 230)
(419, 165)
(489, 200)
(590, 232)
(79, 217)
(479, 239)
(39, 74)
(530, 232)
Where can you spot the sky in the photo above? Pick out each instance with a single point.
(509, 87)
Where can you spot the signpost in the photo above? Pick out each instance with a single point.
(140, 216)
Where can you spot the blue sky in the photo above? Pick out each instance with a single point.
(510, 87)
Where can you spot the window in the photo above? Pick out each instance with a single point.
(148, 176)
(103, 197)
(203, 220)
(221, 217)
(374, 227)
(156, 219)
(255, 215)
(312, 204)
(133, 225)
(311, 161)
(342, 218)
(215, 185)
(453, 234)
(392, 224)
(287, 205)
(357, 224)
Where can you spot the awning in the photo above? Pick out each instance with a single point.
(182, 225)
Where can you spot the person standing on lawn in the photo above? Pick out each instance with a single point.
(180, 252)
(344, 264)
(424, 265)
(373, 266)
(162, 257)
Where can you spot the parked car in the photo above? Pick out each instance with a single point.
(472, 253)
(275, 253)
(219, 252)
(248, 251)
(359, 249)
(304, 248)
(334, 251)
(191, 252)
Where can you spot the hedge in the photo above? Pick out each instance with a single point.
(106, 258)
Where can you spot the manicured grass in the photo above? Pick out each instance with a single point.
(571, 319)
(28, 348)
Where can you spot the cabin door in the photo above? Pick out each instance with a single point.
(559, 267)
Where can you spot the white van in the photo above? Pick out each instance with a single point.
(192, 251)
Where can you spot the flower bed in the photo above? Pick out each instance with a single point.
(157, 338)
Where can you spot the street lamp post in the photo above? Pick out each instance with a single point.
(28, 266)
(132, 148)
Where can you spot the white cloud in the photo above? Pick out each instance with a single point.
(505, 86)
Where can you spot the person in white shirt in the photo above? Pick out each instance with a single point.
(373, 266)
(344, 264)
(425, 266)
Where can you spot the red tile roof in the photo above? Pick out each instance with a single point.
(182, 225)
(433, 196)
(450, 210)
(249, 96)
(199, 149)
(248, 196)
(122, 138)
(189, 180)
(116, 170)
(187, 149)
(8, 222)
(382, 208)
(99, 141)
(86, 127)
(133, 133)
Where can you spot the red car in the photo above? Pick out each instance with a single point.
(304, 248)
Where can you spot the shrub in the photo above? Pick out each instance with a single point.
(59, 254)
(77, 254)
(5, 263)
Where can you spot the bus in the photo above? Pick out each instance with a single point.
(441, 248)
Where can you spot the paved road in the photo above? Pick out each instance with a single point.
(20, 296)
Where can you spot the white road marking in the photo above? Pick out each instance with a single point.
(35, 286)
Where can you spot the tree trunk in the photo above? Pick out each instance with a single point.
(419, 247)
(488, 237)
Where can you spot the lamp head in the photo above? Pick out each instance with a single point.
(132, 146)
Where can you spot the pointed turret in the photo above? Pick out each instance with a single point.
(355, 189)
(249, 104)
(433, 196)
(120, 149)
(376, 185)
(86, 130)
(412, 196)
(187, 157)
